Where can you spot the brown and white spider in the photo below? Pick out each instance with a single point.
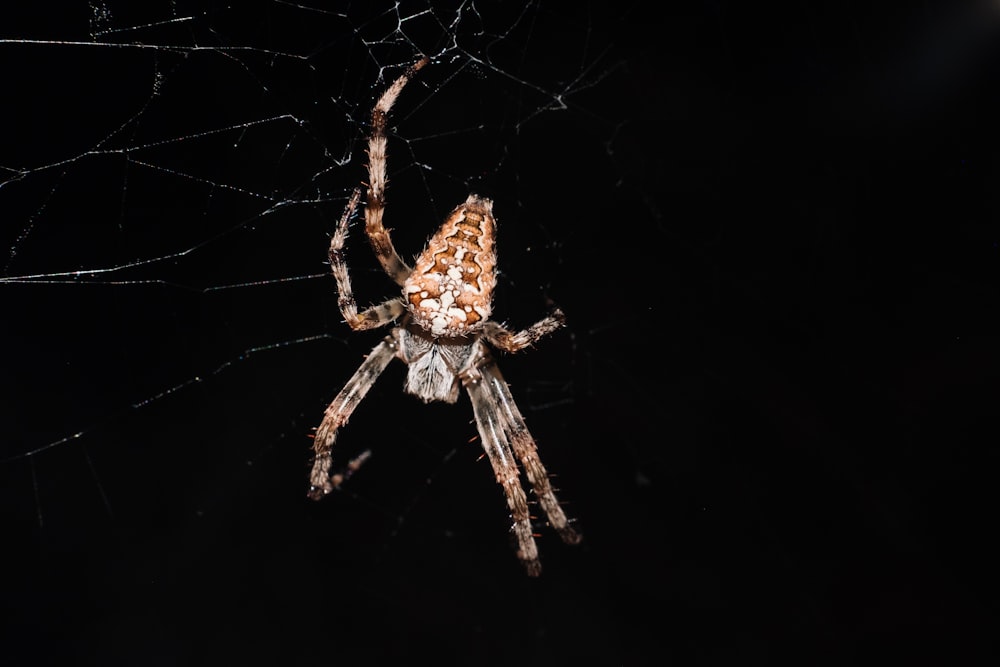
(445, 309)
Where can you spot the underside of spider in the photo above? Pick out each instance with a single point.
(442, 334)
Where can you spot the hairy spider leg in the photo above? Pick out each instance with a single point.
(373, 317)
(525, 449)
(340, 410)
(508, 341)
(493, 435)
(378, 235)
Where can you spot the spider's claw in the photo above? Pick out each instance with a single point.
(318, 492)
(570, 536)
(533, 567)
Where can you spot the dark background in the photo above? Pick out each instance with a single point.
(773, 412)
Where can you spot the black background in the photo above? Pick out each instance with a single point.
(773, 412)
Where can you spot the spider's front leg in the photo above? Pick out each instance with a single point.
(496, 444)
(503, 432)
(340, 410)
(526, 451)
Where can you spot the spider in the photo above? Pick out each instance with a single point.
(442, 336)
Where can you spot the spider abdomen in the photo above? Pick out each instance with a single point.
(450, 290)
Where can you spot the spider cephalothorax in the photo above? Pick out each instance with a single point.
(445, 308)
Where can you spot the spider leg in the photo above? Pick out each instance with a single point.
(373, 317)
(509, 341)
(496, 444)
(378, 235)
(340, 410)
(526, 450)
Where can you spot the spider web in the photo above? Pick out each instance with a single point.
(198, 193)
(169, 178)
(167, 202)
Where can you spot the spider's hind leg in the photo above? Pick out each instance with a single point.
(378, 235)
(373, 317)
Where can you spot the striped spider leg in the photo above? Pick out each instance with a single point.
(442, 334)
